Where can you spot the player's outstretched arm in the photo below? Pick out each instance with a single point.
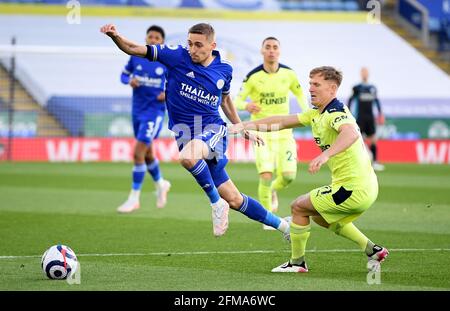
(230, 111)
(269, 124)
(128, 46)
(348, 134)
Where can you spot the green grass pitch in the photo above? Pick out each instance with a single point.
(174, 248)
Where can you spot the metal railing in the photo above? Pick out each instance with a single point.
(425, 19)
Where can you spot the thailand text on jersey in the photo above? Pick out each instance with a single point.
(194, 92)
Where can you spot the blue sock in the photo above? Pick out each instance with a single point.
(201, 173)
(153, 169)
(254, 210)
(138, 175)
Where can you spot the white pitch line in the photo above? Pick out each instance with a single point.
(238, 252)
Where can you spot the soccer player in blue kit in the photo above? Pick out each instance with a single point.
(198, 83)
(148, 81)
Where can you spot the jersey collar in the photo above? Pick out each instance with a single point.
(217, 56)
(264, 69)
(216, 59)
(332, 103)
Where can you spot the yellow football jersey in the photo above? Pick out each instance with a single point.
(351, 167)
(271, 92)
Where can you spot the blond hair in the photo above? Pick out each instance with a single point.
(328, 73)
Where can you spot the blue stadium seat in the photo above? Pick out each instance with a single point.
(336, 5)
(308, 5)
(71, 110)
(351, 6)
(52, 1)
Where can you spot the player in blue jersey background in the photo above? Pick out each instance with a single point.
(198, 83)
(148, 81)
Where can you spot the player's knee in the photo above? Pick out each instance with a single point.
(297, 207)
(140, 151)
(139, 157)
(265, 177)
(149, 158)
(190, 155)
(187, 162)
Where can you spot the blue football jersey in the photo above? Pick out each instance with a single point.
(152, 79)
(194, 92)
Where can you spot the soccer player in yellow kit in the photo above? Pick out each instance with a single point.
(268, 87)
(354, 185)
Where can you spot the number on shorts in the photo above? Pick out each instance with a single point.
(290, 156)
(151, 127)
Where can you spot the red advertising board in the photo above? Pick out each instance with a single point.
(121, 150)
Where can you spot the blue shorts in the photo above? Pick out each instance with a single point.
(147, 128)
(216, 139)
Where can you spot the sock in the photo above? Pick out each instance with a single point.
(299, 237)
(350, 232)
(202, 175)
(373, 149)
(254, 210)
(265, 193)
(282, 181)
(134, 195)
(153, 169)
(138, 176)
(371, 248)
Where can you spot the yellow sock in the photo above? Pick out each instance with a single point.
(282, 181)
(352, 233)
(265, 193)
(299, 237)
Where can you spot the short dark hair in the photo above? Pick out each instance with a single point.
(328, 73)
(203, 29)
(157, 29)
(270, 38)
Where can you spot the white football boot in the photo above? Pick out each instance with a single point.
(220, 211)
(130, 205)
(161, 193)
(289, 267)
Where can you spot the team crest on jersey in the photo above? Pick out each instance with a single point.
(220, 83)
(159, 71)
(138, 67)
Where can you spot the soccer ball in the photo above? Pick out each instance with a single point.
(59, 262)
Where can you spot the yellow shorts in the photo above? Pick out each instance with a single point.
(279, 155)
(338, 203)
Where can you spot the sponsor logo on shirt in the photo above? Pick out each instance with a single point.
(198, 95)
(149, 82)
(270, 99)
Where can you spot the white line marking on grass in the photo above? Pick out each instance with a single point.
(238, 252)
